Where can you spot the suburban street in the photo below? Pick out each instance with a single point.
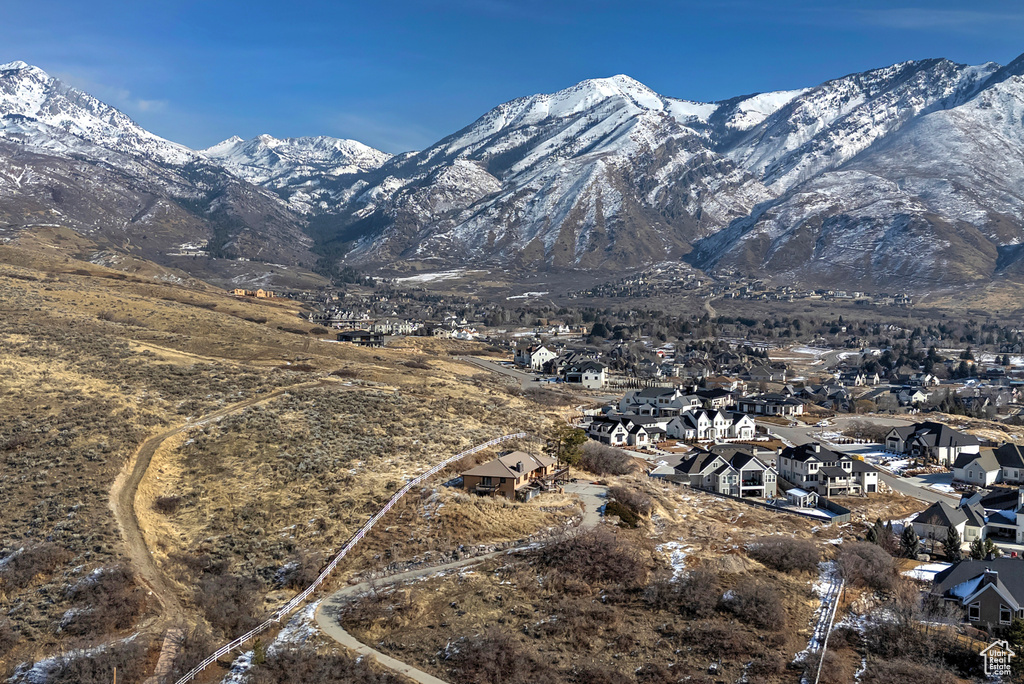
(910, 486)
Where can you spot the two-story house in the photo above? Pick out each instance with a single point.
(931, 441)
(812, 467)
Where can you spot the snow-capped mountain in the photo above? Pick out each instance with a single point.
(68, 159)
(908, 175)
(298, 166)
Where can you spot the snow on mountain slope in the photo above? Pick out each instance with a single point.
(826, 126)
(297, 165)
(566, 175)
(940, 202)
(27, 91)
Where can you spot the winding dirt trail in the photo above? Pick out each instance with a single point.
(326, 615)
(122, 503)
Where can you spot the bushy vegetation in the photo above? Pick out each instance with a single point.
(786, 554)
(303, 664)
(867, 565)
(25, 564)
(230, 603)
(106, 600)
(601, 459)
(757, 603)
(597, 557)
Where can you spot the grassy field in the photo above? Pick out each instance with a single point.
(93, 361)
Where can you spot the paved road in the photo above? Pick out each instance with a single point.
(804, 434)
(326, 616)
(525, 380)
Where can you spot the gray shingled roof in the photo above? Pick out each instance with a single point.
(1010, 574)
(941, 514)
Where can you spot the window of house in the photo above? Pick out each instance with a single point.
(974, 612)
(970, 473)
(502, 480)
(1005, 615)
(486, 481)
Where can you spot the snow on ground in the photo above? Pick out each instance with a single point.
(432, 277)
(898, 525)
(527, 295)
(813, 351)
(942, 487)
(826, 588)
(676, 552)
(296, 632)
(927, 571)
(895, 466)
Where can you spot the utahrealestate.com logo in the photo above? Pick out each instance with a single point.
(997, 659)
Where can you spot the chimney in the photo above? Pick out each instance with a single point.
(519, 466)
(1020, 497)
(817, 448)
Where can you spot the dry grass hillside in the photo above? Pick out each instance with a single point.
(94, 361)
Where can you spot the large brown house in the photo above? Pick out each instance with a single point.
(507, 475)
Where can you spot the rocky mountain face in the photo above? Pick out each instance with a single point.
(68, 159)
(909, 177)
(906, 176)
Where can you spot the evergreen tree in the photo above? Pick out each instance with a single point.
(952, 545)
(977, 549)
(909, 542)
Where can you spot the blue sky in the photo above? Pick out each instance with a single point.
(399, 75)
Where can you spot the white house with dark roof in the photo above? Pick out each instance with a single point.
(931, 441)
(737, 474)
(814, 468)
(534, 356)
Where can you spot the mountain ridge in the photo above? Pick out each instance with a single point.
(872, 176)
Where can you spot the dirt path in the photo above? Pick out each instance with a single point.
(327, 620)
(122, 503)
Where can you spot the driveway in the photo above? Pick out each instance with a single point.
(525, 380)
(593, 497)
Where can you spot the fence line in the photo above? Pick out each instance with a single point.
(298, 599)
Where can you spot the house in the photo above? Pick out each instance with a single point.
(1011, 463)
(609, 431)
(700, 425)
(363, 338)
(932, 524)
(931, 441)
(812, 467)
(981, 469)
(766, 374)
(715, 397)
(508, 475)
(242, 292)
(590, 374)
(534, 357)
(989, 592)
(771, 405)
(737, 474)
(265, 294)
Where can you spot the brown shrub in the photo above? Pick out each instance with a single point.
(191, 648)
(288, 665)
(599, 557)
(866, 564)
(24, 565)
(758, 603)
(601, 459)
(300, 572)
(421, 365)
(8, 637)
(698, 592)
(496, 658)
(96, 666)
(168, 505)
(786, 554)
(344, 373)
(635, 500)
(902, 670)
(104, 601)
(230, 602)
(546, 397)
